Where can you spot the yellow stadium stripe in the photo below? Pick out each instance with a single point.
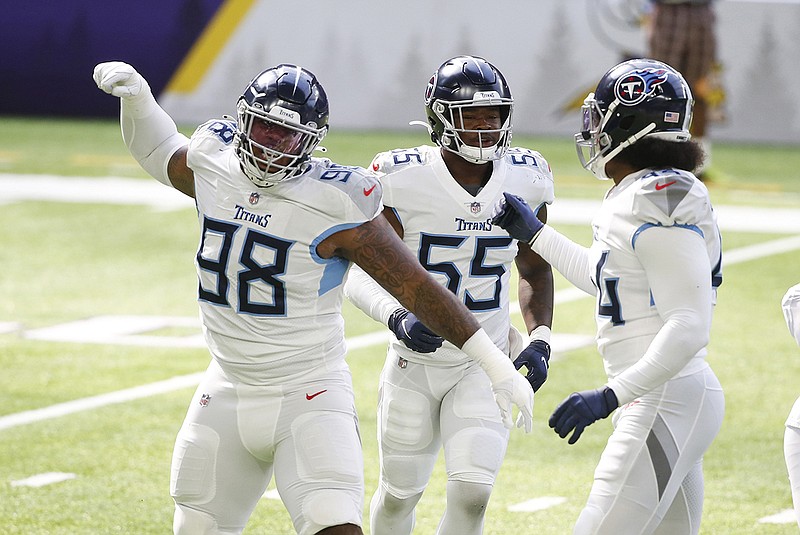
(208, 46)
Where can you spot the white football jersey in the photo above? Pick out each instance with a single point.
(270, 306)
(627, 318)
(452, 235)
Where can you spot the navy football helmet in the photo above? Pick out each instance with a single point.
(282, 116)
(636, 99)
(468, 82)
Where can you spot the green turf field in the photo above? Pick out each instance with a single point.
(70, 263)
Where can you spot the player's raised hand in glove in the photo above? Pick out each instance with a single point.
(515, 391)
(514, 215)
(582, 409)
(536, 358)
(413, 333)
(119, 79)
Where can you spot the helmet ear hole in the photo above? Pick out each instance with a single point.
(627, 122)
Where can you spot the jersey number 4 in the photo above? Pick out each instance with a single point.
(608, 304)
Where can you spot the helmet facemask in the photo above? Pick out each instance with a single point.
(451, 115)
(594, 145)
(286, 143)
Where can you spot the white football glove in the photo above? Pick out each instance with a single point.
(515, 391)
(119, 79)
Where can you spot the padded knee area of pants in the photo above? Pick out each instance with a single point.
(405, 419)
(193, 464)
(475, 455)
(407, 475)
(328, 507)
(188, 521)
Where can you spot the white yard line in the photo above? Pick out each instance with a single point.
(107, 190)
(784, 517)
(41, 480)
(93, 402)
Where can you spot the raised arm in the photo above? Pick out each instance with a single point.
(149, 132)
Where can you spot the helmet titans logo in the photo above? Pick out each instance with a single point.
(635, 86)
(431, 87)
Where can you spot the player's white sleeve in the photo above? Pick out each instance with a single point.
(676, 262)
(369, 296)
(791, 310)
(150, 133)
(569, 258)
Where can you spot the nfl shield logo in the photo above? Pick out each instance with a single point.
(204, 400)
(254, 197)
(475, 207)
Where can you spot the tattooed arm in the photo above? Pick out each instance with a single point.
(378, 250)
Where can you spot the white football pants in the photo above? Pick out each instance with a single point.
(649, 478)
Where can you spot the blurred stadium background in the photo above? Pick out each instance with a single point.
(374, 58)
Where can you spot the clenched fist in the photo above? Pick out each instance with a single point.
(119, 79)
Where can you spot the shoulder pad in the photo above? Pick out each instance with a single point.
(670, 196)
(527, 157)
(360, 185)
(220, 131)
(390, 161)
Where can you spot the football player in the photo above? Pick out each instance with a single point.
(791, 437)
(654, 267)
(279, 230)
(439, 200)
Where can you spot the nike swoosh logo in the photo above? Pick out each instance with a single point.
(367, 192)
(659, 187)
(315, 394)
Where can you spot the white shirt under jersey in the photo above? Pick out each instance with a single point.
(270, 306)
(628, 319)
(452, 235)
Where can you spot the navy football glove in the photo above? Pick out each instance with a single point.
(535, 357)
(413, 333)
(582, 409)
(514, 215)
